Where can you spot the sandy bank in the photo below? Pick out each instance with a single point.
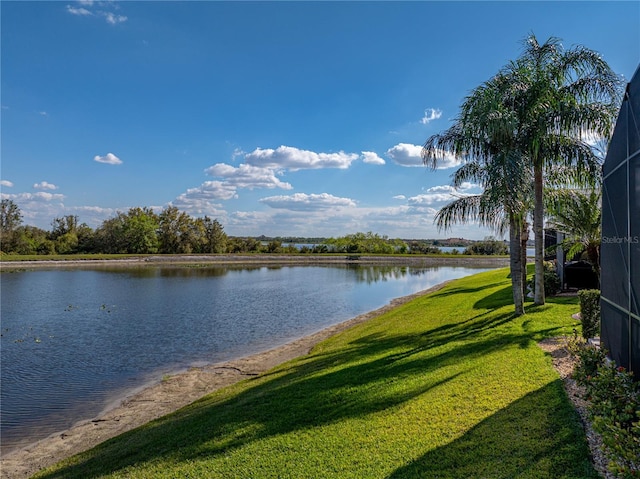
(167, 396)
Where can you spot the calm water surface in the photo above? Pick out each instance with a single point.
(75, 340)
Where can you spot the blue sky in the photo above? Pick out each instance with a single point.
(276, 118)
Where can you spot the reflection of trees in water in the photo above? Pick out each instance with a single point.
(172, 271)
(190, 270)
(377, 273)
(362, 273)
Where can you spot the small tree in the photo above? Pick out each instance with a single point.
(64, 234)
(215, 239)
(590, 312)
(578, 214)
(10, 220)
(175, 231)
(10, 216)
(139, 231)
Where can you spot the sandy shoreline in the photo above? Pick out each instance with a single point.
(167, 396)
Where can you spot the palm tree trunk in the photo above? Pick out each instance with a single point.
(538, 218)
(524, 237)
(515, 264)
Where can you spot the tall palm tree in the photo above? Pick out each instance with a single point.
(495, 209)
(540, 109)
(481, 135)
(558, 97)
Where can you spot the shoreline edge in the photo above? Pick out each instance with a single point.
(159, 398)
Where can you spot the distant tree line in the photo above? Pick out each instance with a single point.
(143, 231)
(138, 231)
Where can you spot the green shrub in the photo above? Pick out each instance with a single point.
(590, 312)
(614, 407)
(616, 415)
(590, 358)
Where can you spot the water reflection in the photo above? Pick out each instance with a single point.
(361, 273)
(374, 274)
(72, 339)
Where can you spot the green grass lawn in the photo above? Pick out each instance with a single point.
(450, 385)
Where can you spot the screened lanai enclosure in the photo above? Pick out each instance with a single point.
(620, 250)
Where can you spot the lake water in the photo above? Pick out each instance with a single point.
(74, 340)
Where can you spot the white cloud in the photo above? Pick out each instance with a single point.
(112, 18)
(401, 221)
(109, 159)
(399, 197)
(446, 160)
(95, 210)
(295, 159)
(468, 186)
(435, 196)
(201, 200)
(197, 206)
(237, 152)
(39, 196)
(38, 209)
(6, 183)
(305, 202)
(45, 185)
(441, 189)
(372, 158)
(247, 176)
(429, 199)
(250, 216)
(450, 189)
(209, 190)
(430, 114)
(43, 113)
(94, 216)
(406, 154)
(78, 10)
(109, 16)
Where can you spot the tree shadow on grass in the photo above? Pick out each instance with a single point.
(464, 290)
(511, 453)
(314, 391)
(504, 297)
(497, 299)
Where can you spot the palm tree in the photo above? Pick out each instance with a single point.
(492, 209)
(539, 111)
(578, 214)
(481, 136)
(558, 97)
